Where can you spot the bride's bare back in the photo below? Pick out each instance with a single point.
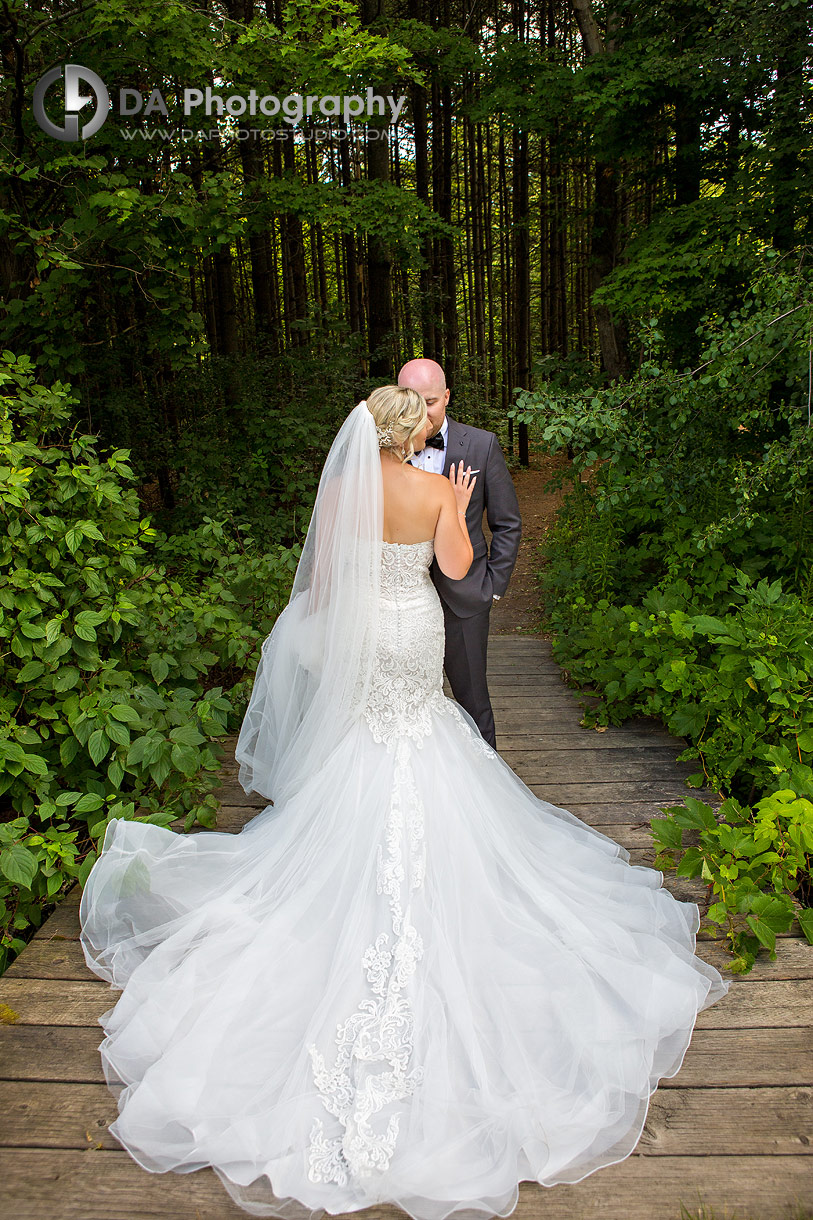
(419, 506)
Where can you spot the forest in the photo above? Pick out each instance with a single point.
(596, 216)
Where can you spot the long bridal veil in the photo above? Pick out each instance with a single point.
(315, 666)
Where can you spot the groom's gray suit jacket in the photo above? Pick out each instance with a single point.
(494, 492)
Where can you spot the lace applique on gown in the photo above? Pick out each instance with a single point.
(375, 1044)
(408, 673)
(415, 983)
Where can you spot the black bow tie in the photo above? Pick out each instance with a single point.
(436, 442)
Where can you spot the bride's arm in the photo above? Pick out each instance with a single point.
(453, 549)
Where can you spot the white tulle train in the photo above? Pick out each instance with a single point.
(414, 983)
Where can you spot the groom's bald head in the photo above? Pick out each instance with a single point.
(427, 377)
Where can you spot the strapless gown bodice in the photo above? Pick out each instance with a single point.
(407, 681)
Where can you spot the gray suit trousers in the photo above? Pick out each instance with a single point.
(465, 664)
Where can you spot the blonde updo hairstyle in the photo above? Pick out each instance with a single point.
(399, 414)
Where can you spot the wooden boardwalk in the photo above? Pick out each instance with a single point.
(734, 1128)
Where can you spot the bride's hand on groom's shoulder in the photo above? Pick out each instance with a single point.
(462, 481)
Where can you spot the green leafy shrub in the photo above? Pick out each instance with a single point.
(734, 684)
(108, 658)
(246, 437)
(694, 472)
(753, 859)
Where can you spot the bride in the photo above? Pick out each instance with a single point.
(408, 980)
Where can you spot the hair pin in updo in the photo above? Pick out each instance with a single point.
(384, 436)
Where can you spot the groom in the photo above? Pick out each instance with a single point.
(467, 603)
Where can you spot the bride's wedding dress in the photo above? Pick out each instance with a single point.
(412, 982)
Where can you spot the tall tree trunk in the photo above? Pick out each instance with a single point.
(605, 237)
(349, 243)
(506, 336)
(448, 274)
(474, 170)
(427, 313)
(228, 339)
(258, 246)
(687, 164)
(522, 278)
(787, 127)
(293, 257)
(488, 197)
(561, 262)
(223, 330)
(421, 136)
(379, 260)
(545, 327)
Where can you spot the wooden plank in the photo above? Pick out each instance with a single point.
(561, 737)
(99, 1185)
(63, 922)
(55, 1052)
(230, 818)
(716, 1057)
(749, 1004)
(734, 1121)
(510, 646)
(580, 792)
(549, 726)
(605, 814)
(553, 727)
(680, 1121)
(529, 674)
(230, 793)
(746, 1057)
(39, 1002)
(507, 639)
(109, 1185)
(554, 766)
(522, 699)
(34, 1114)
(63, 959)
(520, 725)
(51, 959)
(570, 796)
(577, 748)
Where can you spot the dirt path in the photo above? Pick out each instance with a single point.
(519, 612)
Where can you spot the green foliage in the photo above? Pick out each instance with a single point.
(734, 684)
(753, 860)
(106, 235)
(108, 657)
(716, 458)
(252, 436)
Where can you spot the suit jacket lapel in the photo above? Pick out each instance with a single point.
(457, 444)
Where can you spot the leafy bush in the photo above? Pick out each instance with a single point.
(734, 684)
(754, 860)
(108, 706)
(248, 436)
(696, 470)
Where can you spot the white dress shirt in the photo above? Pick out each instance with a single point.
(432, 459)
